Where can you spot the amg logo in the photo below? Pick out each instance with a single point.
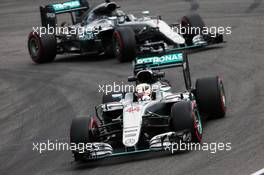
(135, 109)
(172, 58)
(50, 15)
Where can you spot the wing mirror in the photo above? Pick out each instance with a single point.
(145, 12)
(160, 74)
(132, 79)
(165, 88)
(112, 18)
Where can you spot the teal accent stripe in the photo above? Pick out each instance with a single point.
(159, 60)
(200, 123)
(66, 6)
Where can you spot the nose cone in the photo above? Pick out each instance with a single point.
(179, 39)
(131, 136)
(169, 33)
(132, 120)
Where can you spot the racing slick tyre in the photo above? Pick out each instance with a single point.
(185, 117)
(191, 23)
(124, 43)
(83, 130)
(210, 97)
(42, 49)
(84, 3)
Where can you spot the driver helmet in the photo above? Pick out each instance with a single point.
(143, 91)
(120, 15)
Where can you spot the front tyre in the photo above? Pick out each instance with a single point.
(194, 25)
(42, 49)
(210, 97)
(124, 44)
(185, 116)
(83, 130)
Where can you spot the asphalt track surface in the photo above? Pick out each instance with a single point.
(38, 102)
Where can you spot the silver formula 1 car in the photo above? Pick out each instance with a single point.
(105, 29)
(151, 117)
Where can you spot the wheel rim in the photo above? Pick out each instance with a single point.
(197, 124)
(117, 45)
(93, 128)
(34, 47)
(184, 23)
(222, 94)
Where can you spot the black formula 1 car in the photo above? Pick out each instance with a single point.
(105, 29)
(151, 117)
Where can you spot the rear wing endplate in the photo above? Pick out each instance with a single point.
(48, 13)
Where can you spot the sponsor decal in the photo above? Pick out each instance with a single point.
(50, 15)
(135, 109)
(130, 141)
(87, 36)
(165, 59)
(66, 5)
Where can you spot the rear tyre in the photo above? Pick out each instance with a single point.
(210, 96)
(83, 130)
(185, 116)
(42, 49)
(124, 43)
(84, 3)
(190, 21)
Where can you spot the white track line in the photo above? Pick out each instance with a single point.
(259, 172)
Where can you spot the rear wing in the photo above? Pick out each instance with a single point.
(48, 13)
(160, 61)
(165, 61)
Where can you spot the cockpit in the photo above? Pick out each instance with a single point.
(149, 85)
(104, 11)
